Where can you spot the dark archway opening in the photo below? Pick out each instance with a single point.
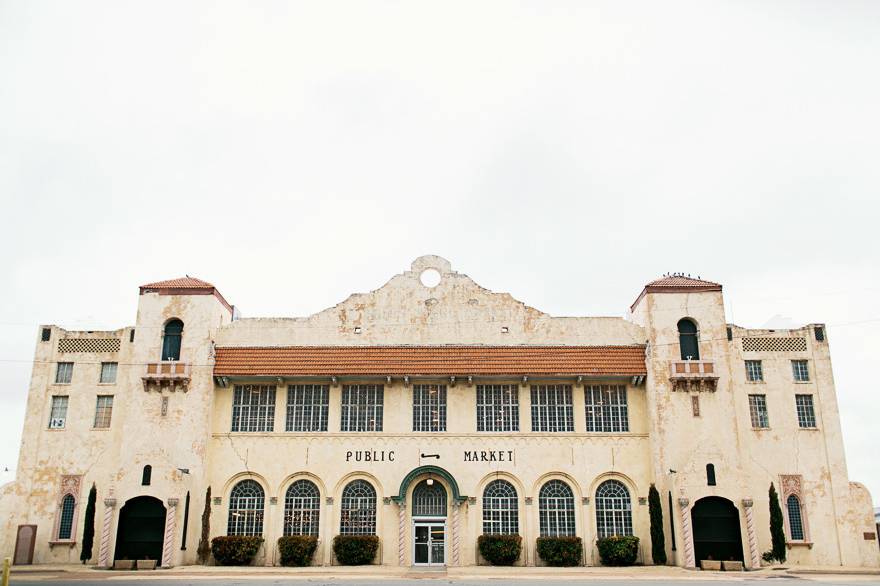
(717, 533)
(141, 530)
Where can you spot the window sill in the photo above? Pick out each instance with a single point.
(762, 428)
(756, 382)
(106, 384)
(67, 542)
(802, 382)
(808, 428)
(56, 429)
(100, 429)
(791, 544)
(57, 384)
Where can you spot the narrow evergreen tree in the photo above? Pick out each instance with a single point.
(88, 538)
(777, 533)
(204, 550)
(658, 540)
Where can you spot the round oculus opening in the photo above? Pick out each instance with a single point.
(430, 277)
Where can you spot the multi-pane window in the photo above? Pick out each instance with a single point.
(307, 407)
(58, 414)
(758, 411)
(362, 407)
(497, 407)
(108, 372)
(556, 510)
(552, 408)
(795, 519)
(246, 509)
(606, 408)
(805, 413)
(64, 373)
(65, 521)
(613, 509)
(302, 509)
(429, 500)
(800, 371)
(253, 408)
(103, 411)
(754, 371)
(429, 407)
(500, 508)
(358, 510)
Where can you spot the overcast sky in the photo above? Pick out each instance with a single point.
(295, 152)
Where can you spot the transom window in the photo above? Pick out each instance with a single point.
(362, 407)
(358, 510)
(758, 411)
(103, 411)
(805, 413)
(552, 408)
(613, 509)
(500, 508)
(108, 372)
(606, 408)
(307, 407)
(795, 519)
(302, 509)
(754, 371)
(246, 507)
(429, 407)
(800, 371)
(65, 522)
(556, 509)
(497, 407)
(64, 373)
(429, 500)
(58, 415)
(253, 408)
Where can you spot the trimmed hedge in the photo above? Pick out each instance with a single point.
(500, 550)
(618, 550)
(235, 550)
(297, 550)
(355, 550)
(561, 551)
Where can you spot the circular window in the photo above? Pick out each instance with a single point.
(430, 277)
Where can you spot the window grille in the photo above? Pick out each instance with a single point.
(429, 500)
(253, 408)
(46, 334)
(688, 340)
(302, 509)
(88, 345)
(613, 509)
(795, 520)
(65, 524)
(64, 373)
(606, 408)
(58, 414)
(758, 411)
(358, 510)
(790, 344)
(820, 333)
(552, 408)
(362, 407)
(429, 407)
(246, 504)
(805, 413)
(754, 371)
(108, 372)
(497, 407)
(103, 411)
(500, 508)
(307, 407)
(556, 510)
(800, 371)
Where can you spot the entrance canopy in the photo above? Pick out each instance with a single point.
(434, 471)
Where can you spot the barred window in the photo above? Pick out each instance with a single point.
(307, 407)
(754, 371)
(429, 407)
(606, 408)
(246, 504)
(556, 510)
(805, 413)
(103, 411)
(65, 522)
(613, 509)
(64, 373)
(108, 372)
(800, 371)
(500, 508)
(795, 520)
(497, 407)
(253, 408)
(429, 500)
(552, 408)
(302, 509)
(358, 510)
(758, 411)
(58, 414)
(362, 407)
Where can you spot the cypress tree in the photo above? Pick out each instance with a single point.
(658, 541)
(88, 538)
(204, 550)
(777, 533)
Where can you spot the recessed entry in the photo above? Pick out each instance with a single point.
(430, 277)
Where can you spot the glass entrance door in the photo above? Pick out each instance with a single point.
(429, 544)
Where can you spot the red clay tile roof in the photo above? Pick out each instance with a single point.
(181, 283)
(676, 284)
(430, 360)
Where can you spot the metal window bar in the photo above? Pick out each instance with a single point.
(108, 372)
(103, 411)
(552, 409)
(253, 408)
(758, 411)
(556, 510)
(805, 412)
(358, 509)
(307, 407)
(754, 371)
(64, 373)
(606, 408)
(246, 509)
(497, 408)
(429, 407)
(613, 509)
(302, 509)
(795, 520)
(362, 407)
(65, 524)
(800, 371)
(500, 509)
(429, 501)
(58, 413)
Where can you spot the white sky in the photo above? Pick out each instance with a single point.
(295, 152)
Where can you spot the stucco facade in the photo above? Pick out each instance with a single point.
(208, 419)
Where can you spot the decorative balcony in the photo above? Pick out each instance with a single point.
(168, 374)
(693, 375)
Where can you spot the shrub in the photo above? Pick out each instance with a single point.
(561, 551)
(204, 550)
(89, 526)
(777, 533)
(618, 550)
(355, 550)
(767, 556)
(297, 550)
(235, 550)
(500, 550)
(658, 540)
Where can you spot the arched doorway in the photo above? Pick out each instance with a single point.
(429, 523)
(141, 530)
(717, 534)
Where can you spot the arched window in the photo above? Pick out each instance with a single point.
(302, 509)
(613, 509)
(500, 508)
(429, 500)
(65, 522)
(147, 476)
(171, 340)
(795, 519)
(246, 504)
(556, 510)
(710, 474)
(687, 340)
(358, 510)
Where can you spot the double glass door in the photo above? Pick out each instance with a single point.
(429, 543)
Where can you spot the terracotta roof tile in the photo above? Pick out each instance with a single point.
(180, 283)
(681, 281)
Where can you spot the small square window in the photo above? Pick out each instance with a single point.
(103, 411)
(108, 372)
(800, 371)
(46, 334)
(64, 373)
(754, 371)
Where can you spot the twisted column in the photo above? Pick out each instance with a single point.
(168, 542)
(754, 555)
(401, 533)
(104, 550)
(687, 538)
(456, 533)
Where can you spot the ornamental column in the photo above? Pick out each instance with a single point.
(401, 532)
(104, 550)
(754, 555)
(456, 532)
(168, 541)
(686, 537)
